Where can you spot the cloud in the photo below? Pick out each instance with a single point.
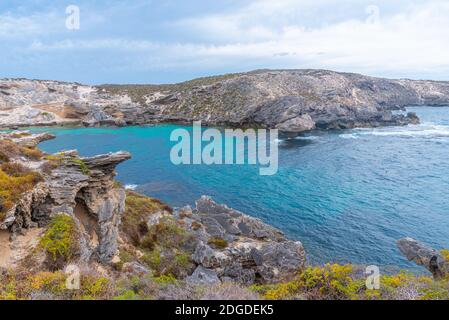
(14, 27)
(407, 38)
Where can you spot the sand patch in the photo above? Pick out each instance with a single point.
(5, 249)
(88, 223)
(11, 252)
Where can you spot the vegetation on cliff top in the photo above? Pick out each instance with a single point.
(137, 92)
(10, 150)
(60, 241)
(139, 208)
(337, 282)
(15, 179)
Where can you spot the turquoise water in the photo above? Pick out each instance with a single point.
(347, 195)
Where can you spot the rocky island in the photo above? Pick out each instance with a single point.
(290, 100)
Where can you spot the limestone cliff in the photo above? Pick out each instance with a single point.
(83, 188)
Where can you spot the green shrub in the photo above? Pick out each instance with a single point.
(13, 186)
(445, 254)
(60, 241)
(138, 210)
(128, 295)
(167, 234)
(32, 153)
(218, 243)
(83, 167)
(92, 287)
(165, 280)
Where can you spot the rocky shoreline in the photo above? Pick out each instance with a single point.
(59, 210)
(292, 101)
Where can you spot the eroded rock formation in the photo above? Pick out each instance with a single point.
(231, 246)
(83, 188)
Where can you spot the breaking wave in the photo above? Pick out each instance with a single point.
(413, 131)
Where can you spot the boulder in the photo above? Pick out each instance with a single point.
(220, 220)
(300, 123)
(203, 276)
(134, 268)
(240, 248)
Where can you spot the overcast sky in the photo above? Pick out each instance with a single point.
(144, 41)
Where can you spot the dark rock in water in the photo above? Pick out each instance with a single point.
(413, 118)
(238, 247)
(424, 256)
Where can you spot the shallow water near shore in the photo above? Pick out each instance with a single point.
(347, 195)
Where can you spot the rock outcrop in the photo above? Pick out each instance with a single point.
(25, 139)
(83, 188)
(231, 246)
(290, 100)
(424, 256)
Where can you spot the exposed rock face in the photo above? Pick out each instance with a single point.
(203, 276)
(291, 100)
(33, 102)
(83, 188)
(424, 256)
(232, 246)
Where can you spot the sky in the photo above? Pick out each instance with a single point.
(166, 41)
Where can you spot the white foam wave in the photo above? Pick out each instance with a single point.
(131, 186)
(306, 138)
(415, 131)
(279, 141)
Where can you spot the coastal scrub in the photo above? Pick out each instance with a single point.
(60, 241)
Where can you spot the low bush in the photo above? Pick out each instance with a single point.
(139, 208)
(218, 243)
(14, 169)
(8, 150)
(46, 285)
(32, 153)
(83, 167)
(167, 233)
(13, 183)
(60, 241)
(337, 282)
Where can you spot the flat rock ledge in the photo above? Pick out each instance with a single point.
(230, 246)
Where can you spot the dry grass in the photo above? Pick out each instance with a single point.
(138, 209)
(13, 183)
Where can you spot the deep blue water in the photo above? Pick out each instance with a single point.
(347, 195)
